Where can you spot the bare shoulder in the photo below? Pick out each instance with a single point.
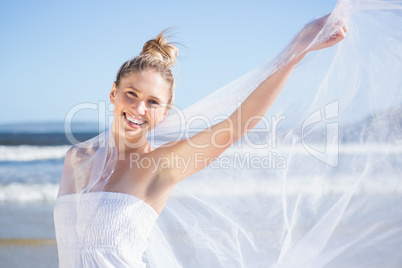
(141, 174)
(169, 158)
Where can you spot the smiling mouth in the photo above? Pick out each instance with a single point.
(133, 121)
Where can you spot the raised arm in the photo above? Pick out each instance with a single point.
(203, 148)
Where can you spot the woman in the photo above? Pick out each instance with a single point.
(142, 93)
(116, 185)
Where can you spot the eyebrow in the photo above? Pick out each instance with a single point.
(152, 97)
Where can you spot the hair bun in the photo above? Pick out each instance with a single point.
(161, 49)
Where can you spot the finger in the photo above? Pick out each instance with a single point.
(340, 32)
(341, 23)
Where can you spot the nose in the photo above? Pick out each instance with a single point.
(140, 107)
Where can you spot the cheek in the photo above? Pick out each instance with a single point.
(120, 103)
(157, 114)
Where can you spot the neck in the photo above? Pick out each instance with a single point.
(126, 144)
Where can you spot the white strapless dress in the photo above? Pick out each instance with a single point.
(116, 235)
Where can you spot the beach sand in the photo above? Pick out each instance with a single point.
(27, 237)
(28, 253)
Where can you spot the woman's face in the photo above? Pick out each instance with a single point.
(140, 103)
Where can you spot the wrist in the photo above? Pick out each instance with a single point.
(298, 58)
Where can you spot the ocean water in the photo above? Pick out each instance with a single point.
(31, 162)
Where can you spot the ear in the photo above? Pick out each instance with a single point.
(113, 93)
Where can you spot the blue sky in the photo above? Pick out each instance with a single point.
(57, 54)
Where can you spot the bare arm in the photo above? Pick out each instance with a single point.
(222, 135)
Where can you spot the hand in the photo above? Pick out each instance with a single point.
(321, 33)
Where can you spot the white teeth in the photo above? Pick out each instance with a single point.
(135, 121)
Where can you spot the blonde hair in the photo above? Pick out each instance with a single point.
(157, 54)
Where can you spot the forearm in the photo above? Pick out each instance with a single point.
(256, 105)
(313, 36)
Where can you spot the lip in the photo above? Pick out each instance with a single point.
(135, 117)
(132, 125)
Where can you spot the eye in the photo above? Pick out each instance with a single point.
(153, 103)
(132, 93)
